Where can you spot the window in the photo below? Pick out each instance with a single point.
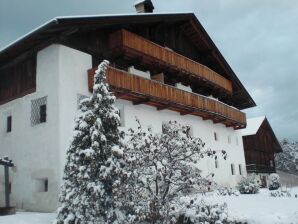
(271, 163)
(216, 163)
(9, 124)
(229, 139)
(189, 130)
(163, 127)
(43, 113)
(80, 97)
(240, 169)
(215, 136)
(233, 169)
(237, 142)
(38, 111)
(121, 114)
(42, 185)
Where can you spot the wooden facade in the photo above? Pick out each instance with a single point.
(154, 93)
(136, 46)
(188, 56)
(260, 148)
(17, 80)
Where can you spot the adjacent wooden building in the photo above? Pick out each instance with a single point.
(260, 147)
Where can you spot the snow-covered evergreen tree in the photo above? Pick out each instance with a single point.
(94, 165)
(287, 160)
(163, 168)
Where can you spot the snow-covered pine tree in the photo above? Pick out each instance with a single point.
(94, 165)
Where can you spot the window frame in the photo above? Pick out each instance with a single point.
(233, 171)
(9, 124)
(43, 113)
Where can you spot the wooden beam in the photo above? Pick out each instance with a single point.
(220, 120)
(210, 117)
(141, 101)
(6, 162)
(163, 107)
(121, 94)
(187, 112)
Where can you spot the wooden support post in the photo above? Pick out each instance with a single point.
(6, 162)
(6, 177)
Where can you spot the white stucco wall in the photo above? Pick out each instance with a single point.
(204, 129)
(39, 151)
(34, 149)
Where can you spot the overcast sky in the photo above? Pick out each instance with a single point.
(259, 39)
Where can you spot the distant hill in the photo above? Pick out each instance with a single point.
(287, 161)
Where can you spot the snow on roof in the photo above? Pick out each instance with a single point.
(56, 20)
(253, 125)
(138, 2)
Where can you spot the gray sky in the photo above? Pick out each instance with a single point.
(257, 38)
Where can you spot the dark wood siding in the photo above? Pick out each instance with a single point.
(18, 80)
(260, 148)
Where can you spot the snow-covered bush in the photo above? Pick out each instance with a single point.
(195, 211)
(94, 166)
(248, 185)
(163, 167)
(227, 191)
(274, 182)
(279, 193)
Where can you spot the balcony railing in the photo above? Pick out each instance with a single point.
(257, 168)
(141, 47)
(141, 90)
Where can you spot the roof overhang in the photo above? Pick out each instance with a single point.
(60, 27)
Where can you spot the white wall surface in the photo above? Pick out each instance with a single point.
(204, 129)
(34, 149)
(39, 151)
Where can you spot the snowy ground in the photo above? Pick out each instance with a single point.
(256, 209)
(28, 218)
(261, 208)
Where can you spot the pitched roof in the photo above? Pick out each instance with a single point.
(62, 27)
(253, 125)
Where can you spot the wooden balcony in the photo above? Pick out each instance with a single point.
(136, 46)
(145, 91)
(258, 168)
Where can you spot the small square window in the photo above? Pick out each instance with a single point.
(240, 169)
(121, 114)
(229, 139)
(42, 185)
(237, 142)
(189, 130)
(233, 169)
(215, 136)
(43, 113)
(38, 111)
(216, 163)
(80, 97)
(9, 124)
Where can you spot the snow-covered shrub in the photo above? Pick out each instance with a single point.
(279, 193)
(195, 211)
(163, 167)
(274, 182)
(248, 185)
(227, 191)
(94, 170)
